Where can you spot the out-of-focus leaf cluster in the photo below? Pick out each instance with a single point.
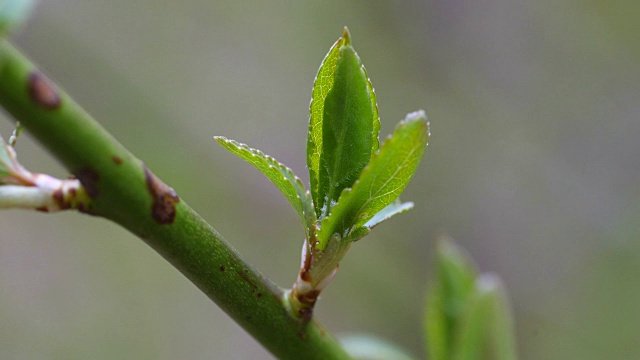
(467, 314)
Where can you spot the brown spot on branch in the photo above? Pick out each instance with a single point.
(163, 209)
(42, 92)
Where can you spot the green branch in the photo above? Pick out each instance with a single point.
(125, 191)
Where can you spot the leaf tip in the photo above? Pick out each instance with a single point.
(221, 139)
(489, 283)
(448, 252)
(346, 36)
(416, 116)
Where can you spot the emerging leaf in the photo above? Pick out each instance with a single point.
(499, 322)
(486, 330)
(393, 209)
(467, 315)
(281, 176)
(382, 181)
(470, 342)
(321, 86)
(343, 125)
(447, 299)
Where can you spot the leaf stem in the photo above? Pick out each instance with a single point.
(125, 191)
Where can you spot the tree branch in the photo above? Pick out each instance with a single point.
(125, 191)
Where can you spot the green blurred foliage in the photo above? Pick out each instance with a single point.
(533, 166)
(467, 314)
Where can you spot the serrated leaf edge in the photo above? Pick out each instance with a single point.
(376, 115)
(307, 215)
(314, 144)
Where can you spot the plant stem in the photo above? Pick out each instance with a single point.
(125, 191)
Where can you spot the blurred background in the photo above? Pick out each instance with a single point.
(533, 167)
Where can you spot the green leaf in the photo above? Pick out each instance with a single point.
(467, 315)
(13, 12)
(281, 176)
(357, 234)
(502, 344)
(384, 179)
(321, 86)
(448, 299)
(375, 144)
(393, 209)
(324, 266)
(486, 329)
(343, 124)
(470, 341)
